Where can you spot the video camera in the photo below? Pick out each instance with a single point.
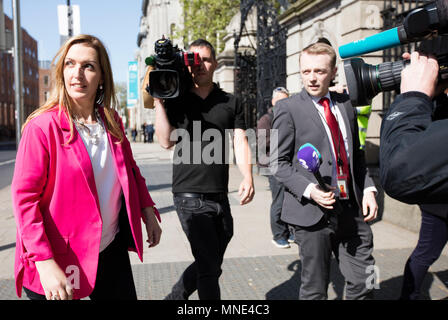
(365, 81)
(170, 77)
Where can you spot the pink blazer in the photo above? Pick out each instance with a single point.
(56, 204)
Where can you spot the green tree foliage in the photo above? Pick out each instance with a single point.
(205, 18)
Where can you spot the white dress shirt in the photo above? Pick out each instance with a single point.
(106, 180)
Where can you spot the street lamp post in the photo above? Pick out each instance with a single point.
(18, 68)
(69, 19)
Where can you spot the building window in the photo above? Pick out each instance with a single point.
(46, 80)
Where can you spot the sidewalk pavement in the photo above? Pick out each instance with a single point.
(253, 268)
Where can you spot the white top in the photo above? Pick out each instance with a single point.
(338, 115)
(106, 179)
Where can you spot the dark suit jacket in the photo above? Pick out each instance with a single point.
(297, 122)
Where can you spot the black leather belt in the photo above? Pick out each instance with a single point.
(203, 196)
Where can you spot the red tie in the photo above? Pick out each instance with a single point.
(338, 140)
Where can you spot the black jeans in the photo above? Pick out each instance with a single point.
(114, 279)
(208, 225)
(433, 237)
(280, 229)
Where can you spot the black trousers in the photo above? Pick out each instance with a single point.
(350, 239)
(208, 225)
(432, 239)
(114, 280)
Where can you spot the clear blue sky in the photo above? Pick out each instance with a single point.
(115, 22)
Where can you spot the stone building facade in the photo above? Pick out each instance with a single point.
(341, 22)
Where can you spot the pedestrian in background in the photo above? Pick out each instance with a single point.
(150, 132)
(144, 133)
(77, 192)
(281, 236)
(134, 134)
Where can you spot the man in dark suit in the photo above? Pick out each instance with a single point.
(327, 121)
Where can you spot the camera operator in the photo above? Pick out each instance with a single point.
(200, 187)
(414, 163)
(413, 157)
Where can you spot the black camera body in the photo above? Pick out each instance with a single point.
(365, 81)
(170, 77)
(428, 24)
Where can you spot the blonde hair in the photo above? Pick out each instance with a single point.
(321, 48)
(59, 96)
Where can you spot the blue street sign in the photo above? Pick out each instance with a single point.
(132, 83)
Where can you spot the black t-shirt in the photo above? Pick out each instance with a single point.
(201, 155)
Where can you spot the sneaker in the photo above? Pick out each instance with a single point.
(291, 238)
(281, 243)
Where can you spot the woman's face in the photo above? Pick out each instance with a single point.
(82, 74)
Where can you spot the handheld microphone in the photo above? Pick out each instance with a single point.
(418, 24)
(310, 159)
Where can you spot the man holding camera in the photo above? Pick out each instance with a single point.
(414, 162)
(414, 166)
(196, 124)
(326, 120)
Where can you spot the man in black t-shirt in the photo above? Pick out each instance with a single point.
(199, 124)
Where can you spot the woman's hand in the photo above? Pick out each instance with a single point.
(152, 227)
(53, 280)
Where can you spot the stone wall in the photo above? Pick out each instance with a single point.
(342, 22)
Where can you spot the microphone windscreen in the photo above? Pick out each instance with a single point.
(309, 157)
(380, 41)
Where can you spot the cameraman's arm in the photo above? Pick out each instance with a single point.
(163, 128)
(243, 160)
(413, 160)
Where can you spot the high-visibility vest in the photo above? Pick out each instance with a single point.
(363, 114)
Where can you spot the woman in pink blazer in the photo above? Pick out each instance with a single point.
(78, 194)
